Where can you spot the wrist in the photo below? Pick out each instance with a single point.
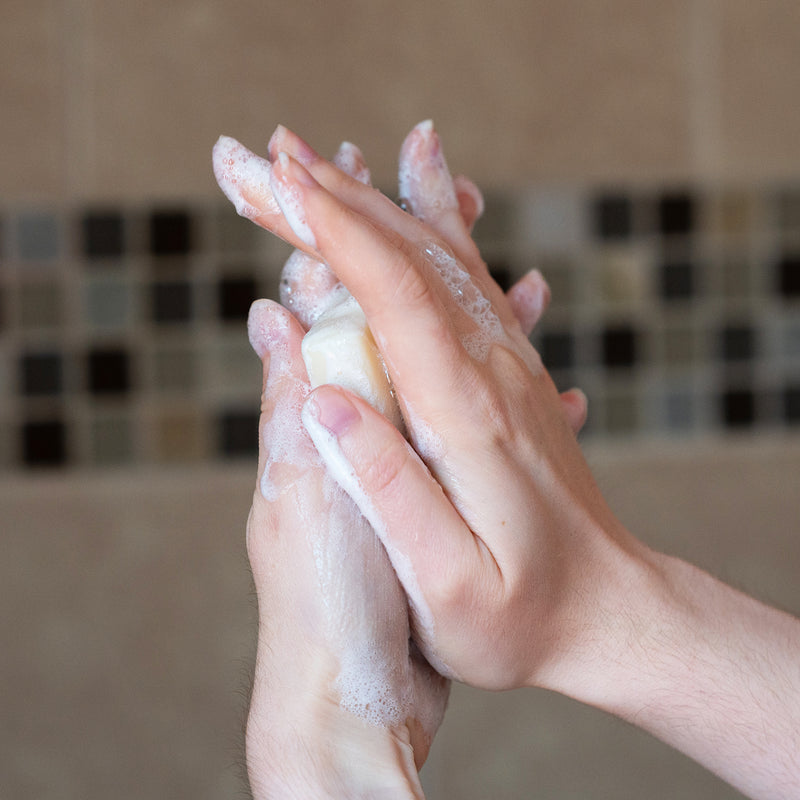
(304, 745)
(605, 641)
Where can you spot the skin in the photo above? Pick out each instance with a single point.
(302, 732)
(501, 535)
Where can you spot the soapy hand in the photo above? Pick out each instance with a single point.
(469, 384)
(343, 703)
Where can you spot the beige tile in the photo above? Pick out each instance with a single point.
(518, 91)
(32, 85)
(759, 69)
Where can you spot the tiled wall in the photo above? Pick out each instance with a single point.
(122, 335)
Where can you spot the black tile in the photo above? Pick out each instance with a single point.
(676, 213)
(41, 374)
(172, 301)
(237, 433)
(108, 371)
(170, 233)
(619, 347)
(103, 234)
(557, 349)
(677, 281)
(737, 343)
(738, 408)
(791, 404)
(235, 296)
(44, 443)
(612, 215)
(788, 270)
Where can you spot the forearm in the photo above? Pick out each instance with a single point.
(705, 668)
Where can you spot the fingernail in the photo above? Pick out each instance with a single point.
(284, 179)
(331, 409)
(284, 140)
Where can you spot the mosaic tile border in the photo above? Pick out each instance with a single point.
(122, 334)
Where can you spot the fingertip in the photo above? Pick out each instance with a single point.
(351, 161)
(329, 407)
(576, 407)
(529, 298)
(471, 204)
(268, 326)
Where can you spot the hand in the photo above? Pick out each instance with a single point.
(461, 538)
(364, 693)
(341, 706)
(516, 570)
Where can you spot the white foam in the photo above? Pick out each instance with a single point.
(308, 288)
(488, 328)
(241, 172)
(345, 476)
(349, 159)
(291, 205)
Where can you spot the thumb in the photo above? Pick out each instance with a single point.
(422, 532)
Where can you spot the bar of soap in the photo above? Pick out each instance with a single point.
(340, 349)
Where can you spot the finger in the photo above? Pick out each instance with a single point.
(427, 188)
(470, 200)
(372, 462)
(276, 335)
(350, 191)
(576, 408)
(308, 286)
(244, 177)
(391, 279)
(350, 160)
(529, 298)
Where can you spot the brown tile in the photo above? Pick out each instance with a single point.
(179, 435)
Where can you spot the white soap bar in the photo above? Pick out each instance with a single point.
(339, 349)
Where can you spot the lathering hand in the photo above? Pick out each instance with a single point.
(344, 704)
(517, 572)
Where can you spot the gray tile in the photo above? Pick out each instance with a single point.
(109, 302)
(38, 236)
(41, 305)
(111, 439)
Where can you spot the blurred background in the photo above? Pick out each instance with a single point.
(645, 156)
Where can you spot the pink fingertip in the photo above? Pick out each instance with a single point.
(267, 326)
(244, 177)
(423, 176)
(287, 141)
(350, 160)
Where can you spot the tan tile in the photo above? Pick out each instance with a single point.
(32, 85)
(759, 69)
(518, 91)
